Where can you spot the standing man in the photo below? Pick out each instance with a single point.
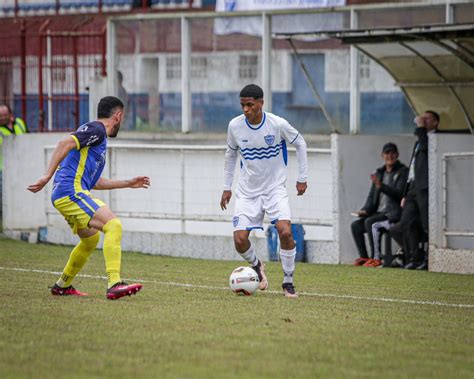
(261, 139)
(415, 204)
(78, 162)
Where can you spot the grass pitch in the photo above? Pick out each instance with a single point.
(396, 324)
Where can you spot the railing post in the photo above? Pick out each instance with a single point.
(112, 58)
(267, 60)
(186, 110)
(354, 101)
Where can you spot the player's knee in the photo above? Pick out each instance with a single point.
(113, 229)
(285, 235)
(241, 243)
(90, 243)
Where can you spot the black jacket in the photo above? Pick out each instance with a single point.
(420, 152)
(394, 190)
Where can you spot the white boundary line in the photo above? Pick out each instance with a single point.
(310, 294)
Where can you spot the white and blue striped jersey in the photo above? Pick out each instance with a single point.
(263, 153)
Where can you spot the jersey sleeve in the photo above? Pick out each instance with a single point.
(230, 160)
(289, 133)
(231, 142)
(89, 135)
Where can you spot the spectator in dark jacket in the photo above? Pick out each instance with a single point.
(415, 205)
(383, 201)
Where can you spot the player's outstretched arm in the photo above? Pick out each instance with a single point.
(62, 149)
(137, 182)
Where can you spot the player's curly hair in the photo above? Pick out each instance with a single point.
(251, 90)
(108, 106)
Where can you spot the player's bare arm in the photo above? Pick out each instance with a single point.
(62, 149)
(137, 182)
(225, 198)
(301, 188)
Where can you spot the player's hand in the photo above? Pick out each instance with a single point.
(362, 213)
(38, 186)
(301, 188)
(226, 195)
(140, 182)
(402, 203)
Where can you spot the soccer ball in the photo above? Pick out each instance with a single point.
(244, 281)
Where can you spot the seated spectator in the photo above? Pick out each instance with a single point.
(383, 202)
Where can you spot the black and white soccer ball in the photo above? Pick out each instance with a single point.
(244, 281)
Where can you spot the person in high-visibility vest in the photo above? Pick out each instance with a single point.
(10, 124)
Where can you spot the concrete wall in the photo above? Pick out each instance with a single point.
(179, 215)
(338, 185)
(458, 253)
(354, 159)
(24, 162)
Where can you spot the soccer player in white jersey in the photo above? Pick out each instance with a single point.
(261, 139)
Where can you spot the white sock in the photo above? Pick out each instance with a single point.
(61, 283)
(250, 256)
(287, 258)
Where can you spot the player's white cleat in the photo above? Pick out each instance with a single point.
(289, 290)
(260, 270)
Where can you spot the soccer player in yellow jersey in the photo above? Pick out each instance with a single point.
(78, 162)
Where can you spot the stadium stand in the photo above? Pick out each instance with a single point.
(25, 8)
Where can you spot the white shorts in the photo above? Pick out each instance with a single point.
(249, 213)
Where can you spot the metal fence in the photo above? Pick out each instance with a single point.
(47, 66)
(187, 186)
(183, 72)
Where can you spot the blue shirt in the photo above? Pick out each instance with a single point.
(82, 168)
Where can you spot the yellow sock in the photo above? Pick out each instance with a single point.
(78, 258)
(112, 250)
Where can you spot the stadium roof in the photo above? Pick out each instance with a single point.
(433, 65)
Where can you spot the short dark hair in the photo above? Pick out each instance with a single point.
(108, 106)
(251, 90)
(434, 114)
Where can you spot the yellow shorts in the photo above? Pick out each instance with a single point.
(78, 209)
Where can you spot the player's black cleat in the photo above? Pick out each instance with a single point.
(289, 290)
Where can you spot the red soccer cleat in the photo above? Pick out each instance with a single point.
(373, 263)
(122, 289)
(360, 261)
(68, 291)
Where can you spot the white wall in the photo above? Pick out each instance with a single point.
(458, 255)
(180, 215)
(182, 201)
(23, 163)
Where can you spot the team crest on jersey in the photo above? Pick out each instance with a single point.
(269, 139)
(235, 221)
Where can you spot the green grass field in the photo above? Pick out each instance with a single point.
(397, 323)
